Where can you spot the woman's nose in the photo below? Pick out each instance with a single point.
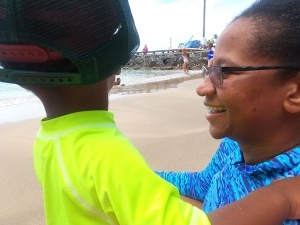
(206, 87)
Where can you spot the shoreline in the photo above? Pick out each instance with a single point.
(147, 87)
(21, 112)
(34, 109)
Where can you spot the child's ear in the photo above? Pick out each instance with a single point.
(292, 101)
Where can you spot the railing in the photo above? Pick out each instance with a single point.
(171, 51)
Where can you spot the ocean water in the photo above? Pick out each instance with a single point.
(132, 77)
(17, 103)
(11, 94)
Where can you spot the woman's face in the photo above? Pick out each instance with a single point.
(248, 106)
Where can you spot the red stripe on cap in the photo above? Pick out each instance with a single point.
(27, 53)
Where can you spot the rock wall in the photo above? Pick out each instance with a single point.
(166, 60)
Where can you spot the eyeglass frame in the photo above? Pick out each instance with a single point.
(222, 69)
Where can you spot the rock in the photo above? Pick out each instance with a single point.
(167, 60)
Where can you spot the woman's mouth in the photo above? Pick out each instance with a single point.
(215, 109)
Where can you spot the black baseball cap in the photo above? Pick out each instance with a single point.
(97, 36)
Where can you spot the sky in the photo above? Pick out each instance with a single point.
(167, 23)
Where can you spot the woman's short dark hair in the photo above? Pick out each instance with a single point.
(275, 30)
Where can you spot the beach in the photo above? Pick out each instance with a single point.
(166, 125)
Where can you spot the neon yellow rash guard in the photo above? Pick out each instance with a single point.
(91, 174)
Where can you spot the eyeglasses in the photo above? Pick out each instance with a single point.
(216, 73)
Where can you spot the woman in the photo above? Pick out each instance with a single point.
(252, 93)
(185, 64)
(210, 54)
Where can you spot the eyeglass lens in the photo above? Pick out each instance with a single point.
(215, 75)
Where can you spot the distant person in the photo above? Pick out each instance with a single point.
(145, 49)
(117, 81)
(210, 62)
(185, 64)
(204, 46)
(210, 54)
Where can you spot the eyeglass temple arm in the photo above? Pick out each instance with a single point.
(249, 68)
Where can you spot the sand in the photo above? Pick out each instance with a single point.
(167, 126)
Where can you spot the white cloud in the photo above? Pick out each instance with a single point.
(158, 21)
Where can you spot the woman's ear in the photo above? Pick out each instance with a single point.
(292, 102)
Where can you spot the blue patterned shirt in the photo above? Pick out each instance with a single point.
(227, 178)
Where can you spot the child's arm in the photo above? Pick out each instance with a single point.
(269, 205)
